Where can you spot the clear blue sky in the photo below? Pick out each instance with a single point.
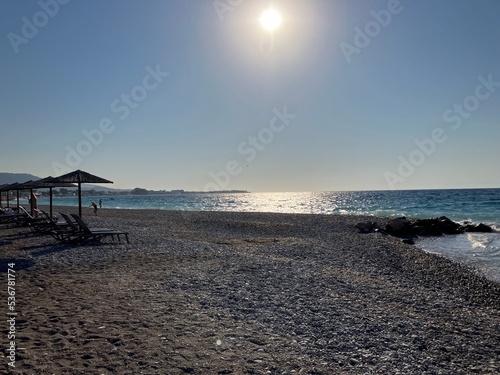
(353, 118)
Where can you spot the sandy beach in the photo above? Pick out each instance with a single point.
(244, 293)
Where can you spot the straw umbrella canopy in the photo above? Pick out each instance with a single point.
(18, 187)
(9, 187)
(47, 182)
(28, 185)
(80, 177)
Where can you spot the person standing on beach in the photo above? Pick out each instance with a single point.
(34, 204)
(93, 204)
(100, 203)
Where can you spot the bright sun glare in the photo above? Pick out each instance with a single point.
(270, 19)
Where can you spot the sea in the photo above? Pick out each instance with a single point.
(480, 251)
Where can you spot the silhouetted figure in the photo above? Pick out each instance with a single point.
(93, 204)
(34, 204)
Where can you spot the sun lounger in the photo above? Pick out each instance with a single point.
(71, 234)
(70, 222)
(81, 232)
(46, 224)
(28, 219)
(78, 232)
(76, 227)
(11, 218)
(98, 233)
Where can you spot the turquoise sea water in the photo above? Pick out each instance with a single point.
(480, 250)
(479, 205)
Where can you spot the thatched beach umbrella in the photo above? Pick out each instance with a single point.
(28, 185)
(47, 182)
(80, 177)
(8, 188)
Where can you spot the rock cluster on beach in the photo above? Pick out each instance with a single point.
(247, 293)
(412, 228)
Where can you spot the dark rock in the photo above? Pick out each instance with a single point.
(480, 228)
(484, 228)
(436, 227)
(409, 241)
(409, 229)
(427, 227)
(448, 226)
(368, 227)
(468, 227)
(399, 226)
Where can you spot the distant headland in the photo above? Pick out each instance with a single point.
(141, 191)
(92, 190)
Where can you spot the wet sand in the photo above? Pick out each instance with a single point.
(245, 293)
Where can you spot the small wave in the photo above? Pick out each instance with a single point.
(479, 250)
(478, 241)
(495, 226)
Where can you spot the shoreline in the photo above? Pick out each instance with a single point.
(470, 205)
(58, 207)
(205, 292)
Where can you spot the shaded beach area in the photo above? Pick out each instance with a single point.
(245, 293)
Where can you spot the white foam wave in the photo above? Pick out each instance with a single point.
(476, 241)
(479, 250)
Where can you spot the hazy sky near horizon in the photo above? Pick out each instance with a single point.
(196, 95)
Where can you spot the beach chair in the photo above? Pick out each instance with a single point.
(7, 218)
(70, 222)
(47, 224)
(76, 227)
(98, 233)
(72, 234)
(27, 219)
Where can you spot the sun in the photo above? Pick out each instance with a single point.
(270, 19)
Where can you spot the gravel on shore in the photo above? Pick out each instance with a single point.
(245, 293)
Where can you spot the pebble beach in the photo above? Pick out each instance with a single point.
(245, 293)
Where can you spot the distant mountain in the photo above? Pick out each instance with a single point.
(10, 178)
(103, 187)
